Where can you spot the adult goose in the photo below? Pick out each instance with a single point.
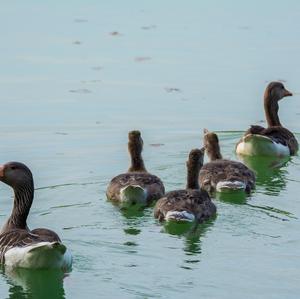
(190, 204)
(137, 185)
(275, 140)
(220, 174)
(20, 246)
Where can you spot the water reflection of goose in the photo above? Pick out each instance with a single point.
(270, 172)
(192, 233)
(29, 283)
(238, 197)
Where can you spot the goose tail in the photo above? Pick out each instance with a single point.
(179, 216)
(228, 186)
(133, 194)
(43, 255)
(260, 145)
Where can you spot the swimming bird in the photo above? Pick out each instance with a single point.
(220, 174)
(190, 204)
(275, 140)
(20, 246)
(137, 185)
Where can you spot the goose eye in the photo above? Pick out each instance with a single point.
(13, 167)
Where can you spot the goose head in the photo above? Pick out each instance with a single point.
(194, 164)
(196, 158)
(15, 174)
(135, 142)
(135, 148)
(211, 145)
(276, 91)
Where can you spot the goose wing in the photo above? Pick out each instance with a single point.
(153, 184)
(277, 134)
(283, 136)
(20, 238)
(225, 170)
(196, 202)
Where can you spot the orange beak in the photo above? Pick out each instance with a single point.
(1, 171)
(287, 93)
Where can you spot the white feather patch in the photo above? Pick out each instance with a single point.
(133, 194)
(39, 256)
(180, 216)
(230, 186)
(259, 145)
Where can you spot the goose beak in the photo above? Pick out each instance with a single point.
(1, 171)
(287, 93)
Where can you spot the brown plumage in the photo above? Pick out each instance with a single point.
(190, 204)
(275, 132)
(137, 186)
(15, 233)
(220, 174)
(22, 238)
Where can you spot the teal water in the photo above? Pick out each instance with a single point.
(76, 77)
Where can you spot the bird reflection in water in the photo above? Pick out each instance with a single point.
(35, 284)
(271, 173)
(192, 233)
(234, 197)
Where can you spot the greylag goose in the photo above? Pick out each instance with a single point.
(137, 186)
(20, 246)
(190, 204)
(220, 174)
(275, 140)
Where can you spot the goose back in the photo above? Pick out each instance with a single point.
(223, 170)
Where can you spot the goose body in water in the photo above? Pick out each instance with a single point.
(137, 185)
(275, 140)
(190, 204)
(20, 246)
(223, 175)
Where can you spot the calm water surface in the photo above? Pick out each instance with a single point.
(75, 78)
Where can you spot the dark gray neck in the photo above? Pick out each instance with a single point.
(214, 153)
(271, 111)
(137, 163)
(22, 204)
(193, 176)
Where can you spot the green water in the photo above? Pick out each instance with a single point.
(76, 76)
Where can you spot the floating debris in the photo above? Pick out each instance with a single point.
(142, 58)
(131, 266)
(80, 20)
(82, 90)
(77, 42)
(115, 33)
(97, 68)
(61, 133)
(172, 89)
(148, 27)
